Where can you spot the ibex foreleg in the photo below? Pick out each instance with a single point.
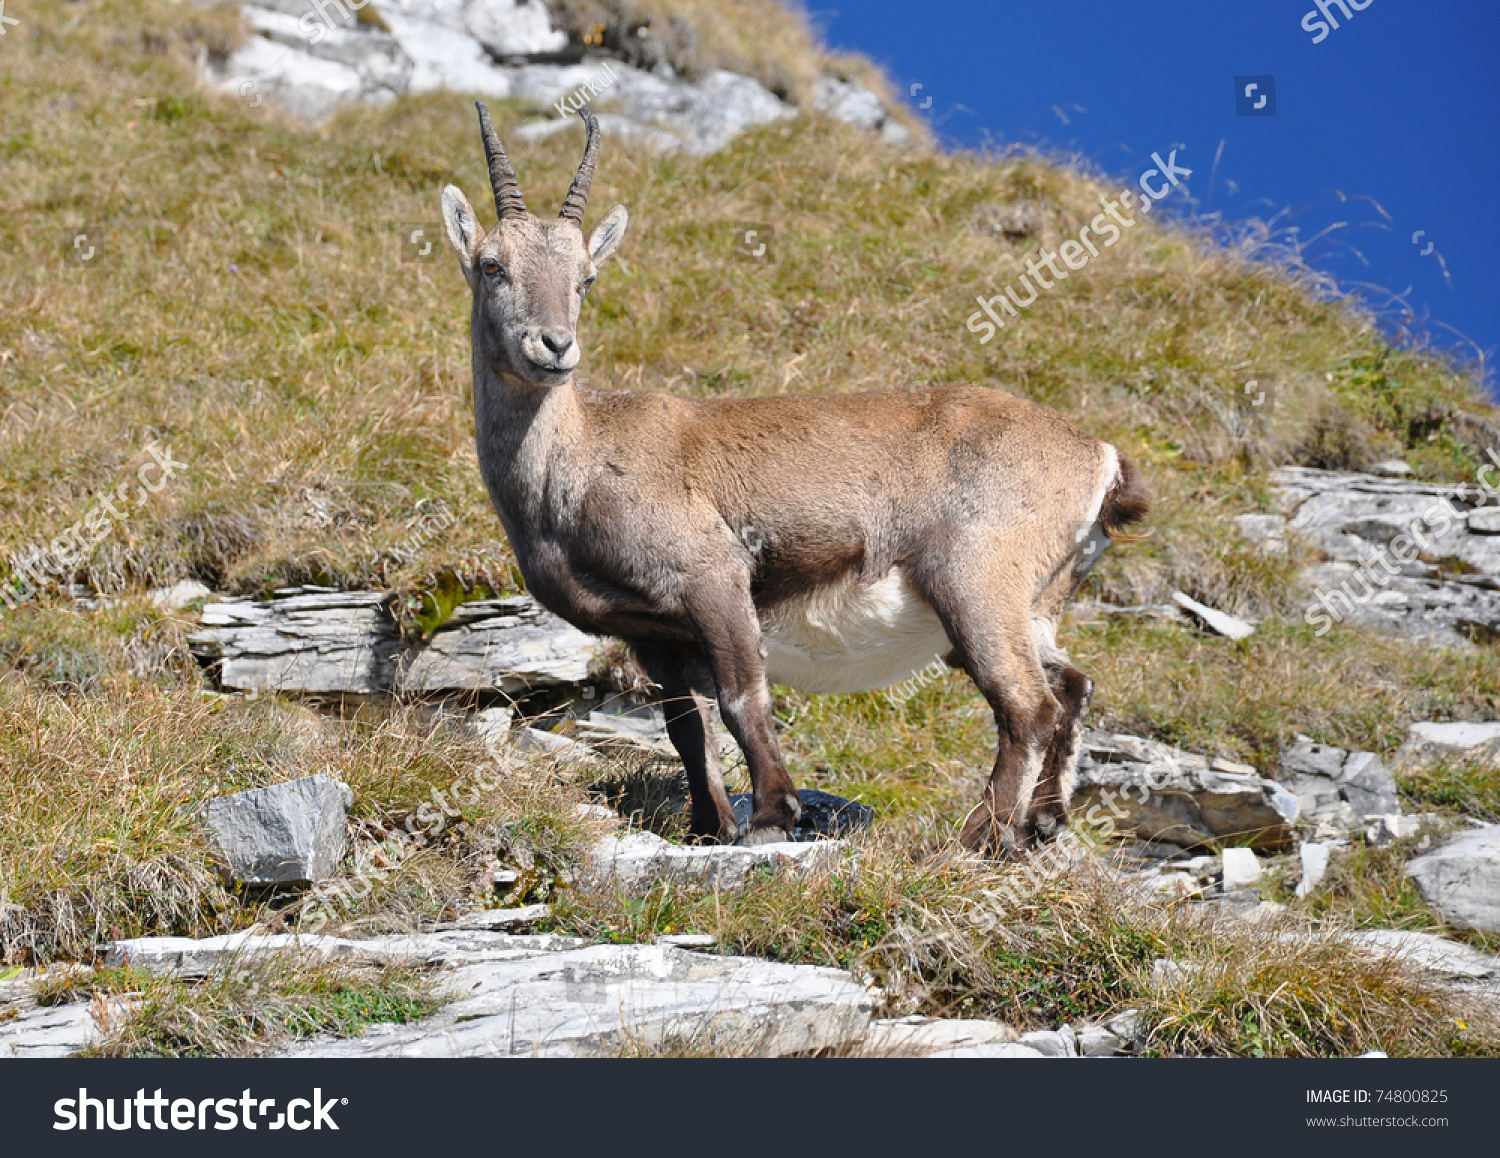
(687, 693)
(725, 621)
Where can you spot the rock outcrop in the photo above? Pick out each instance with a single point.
(1427, 742)
(311, 60)
(1166, 795)
(1413, 559)
(609, 999)
(346, 642)
(1338, 789)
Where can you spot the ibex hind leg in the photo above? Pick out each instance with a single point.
(1049, 804)
(994, 645)
(686, 697)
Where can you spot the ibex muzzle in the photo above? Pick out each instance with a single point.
(832, 543)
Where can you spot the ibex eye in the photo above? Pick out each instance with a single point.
(587, 282)
(491, 267)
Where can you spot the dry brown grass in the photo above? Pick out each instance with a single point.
(907, 915)
(100, 794)
(249, 1010)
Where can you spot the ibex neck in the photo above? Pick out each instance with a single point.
(532, 442)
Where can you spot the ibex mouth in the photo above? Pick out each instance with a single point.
(545, 369)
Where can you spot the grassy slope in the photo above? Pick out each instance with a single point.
(248, 308)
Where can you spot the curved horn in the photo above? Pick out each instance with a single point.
(578, 195)
(508, 199)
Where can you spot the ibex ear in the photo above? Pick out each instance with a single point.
(462, 226)
(606, 237)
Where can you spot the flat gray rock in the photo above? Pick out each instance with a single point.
(640, 858)
(1461, 879)
(1427, 742)
(512, 645)
(1165, 794)
(324, 642)
(608, 999)
(287, 833)
(190, 957)
(1051, 1042)
(921, 1036)
(47, 1031)
(1449, 959)
(346, 642)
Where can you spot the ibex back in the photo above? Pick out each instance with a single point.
(833, 543)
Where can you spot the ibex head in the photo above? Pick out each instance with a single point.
(529, 274)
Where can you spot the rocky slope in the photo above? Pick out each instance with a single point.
(310, 62)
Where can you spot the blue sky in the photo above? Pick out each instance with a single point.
(1390, 124)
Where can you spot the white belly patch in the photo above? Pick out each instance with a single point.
(848, 637)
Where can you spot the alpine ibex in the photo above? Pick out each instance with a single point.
(836, 543)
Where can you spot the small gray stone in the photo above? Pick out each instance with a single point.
(1382, 830)
(1096, 1041)
(510, 28)
(1484, 521)
(1461, 879)
(1051, 1042)
(288, 833)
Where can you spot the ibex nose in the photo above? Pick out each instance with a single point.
(557, 341)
